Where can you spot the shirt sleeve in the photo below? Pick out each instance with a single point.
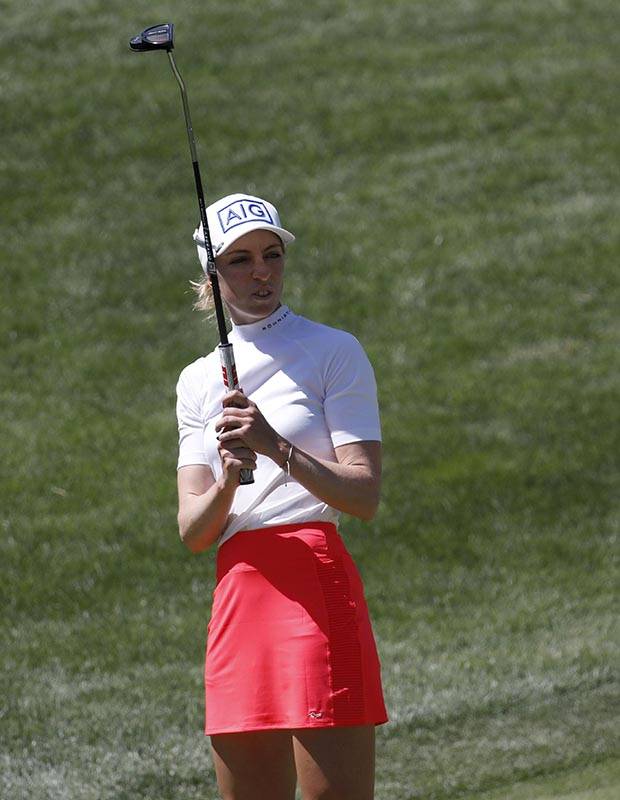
(350, 406)
(190, 422)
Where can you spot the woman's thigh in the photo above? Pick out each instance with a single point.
(335, 763)
(254, 766)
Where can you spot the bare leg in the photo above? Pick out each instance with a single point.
(335, 763)
(254, 766)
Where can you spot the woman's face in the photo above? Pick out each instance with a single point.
(251, 274)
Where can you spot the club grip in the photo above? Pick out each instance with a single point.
(246, 476)
(229, 376)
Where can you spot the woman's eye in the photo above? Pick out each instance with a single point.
(274, 254)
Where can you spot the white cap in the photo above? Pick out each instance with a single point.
(232, 217)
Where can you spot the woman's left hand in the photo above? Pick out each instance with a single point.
(351, 483)
(242, 420)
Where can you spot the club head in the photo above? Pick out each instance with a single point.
(157, 37)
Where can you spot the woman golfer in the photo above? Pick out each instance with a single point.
(292, 677)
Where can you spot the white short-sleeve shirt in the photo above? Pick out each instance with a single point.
(315, 387)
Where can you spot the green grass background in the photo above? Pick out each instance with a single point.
(451, 170)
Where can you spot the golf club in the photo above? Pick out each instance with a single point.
(161, 37)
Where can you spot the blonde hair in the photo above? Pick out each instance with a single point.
(204, 295)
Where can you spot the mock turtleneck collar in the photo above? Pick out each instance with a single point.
(253, 330)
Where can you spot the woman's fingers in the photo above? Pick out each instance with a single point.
(237, 410)
(231, 463)
(246, 424)
(232, 434)
(236, 456)
(235, 399)
(231, 443)
(231, 419)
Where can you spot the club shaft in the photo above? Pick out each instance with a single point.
(188, 118)
(215, 285)
(212, 272)
(227, 359)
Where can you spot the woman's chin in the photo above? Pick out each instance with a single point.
(257, 309)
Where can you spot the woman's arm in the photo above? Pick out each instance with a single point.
(350, 484)
(203, 507)
(204, 503)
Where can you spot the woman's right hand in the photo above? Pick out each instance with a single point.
(235, 456)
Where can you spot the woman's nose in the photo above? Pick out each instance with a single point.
(261, 268)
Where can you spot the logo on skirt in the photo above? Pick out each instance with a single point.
(315, 714)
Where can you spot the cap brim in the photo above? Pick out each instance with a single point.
(286, 236)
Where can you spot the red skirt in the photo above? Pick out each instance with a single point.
(289, 642)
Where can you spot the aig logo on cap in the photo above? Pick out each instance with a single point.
(241, 211)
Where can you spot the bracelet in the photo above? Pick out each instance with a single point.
(287, 465)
